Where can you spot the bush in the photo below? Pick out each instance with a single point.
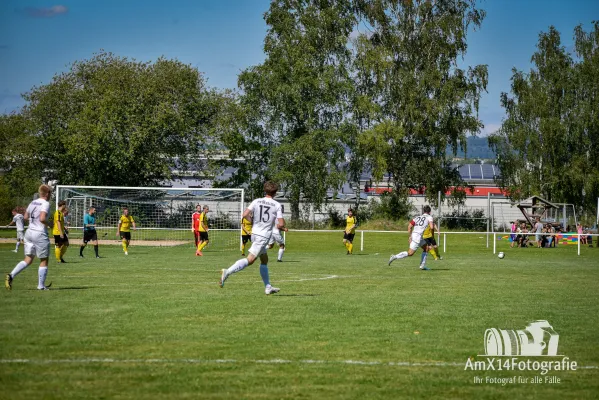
(465, 220)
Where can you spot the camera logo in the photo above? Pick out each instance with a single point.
(537, 339)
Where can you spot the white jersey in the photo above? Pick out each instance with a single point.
(34, 210)
(19, 221)
(265, 213)
(420, 223)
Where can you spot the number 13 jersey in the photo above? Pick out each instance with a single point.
(265, 212)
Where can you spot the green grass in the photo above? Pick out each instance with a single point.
(154, 325)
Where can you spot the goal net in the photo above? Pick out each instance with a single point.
(163, 215)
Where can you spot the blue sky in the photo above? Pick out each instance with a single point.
(38, 39)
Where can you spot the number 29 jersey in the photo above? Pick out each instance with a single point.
(265, 212)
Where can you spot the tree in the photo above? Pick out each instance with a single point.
(22, 171)
(114, 121)
(548, 143)
(413, 101)
(296, 101)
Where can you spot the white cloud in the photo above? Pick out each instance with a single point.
(44, 12)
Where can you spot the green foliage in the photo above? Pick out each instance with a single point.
(412, 101)
(465, 220)
(295, 101)
(21, 170)
(114, 121)
(549, 142)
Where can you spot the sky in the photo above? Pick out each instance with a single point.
(39, 39)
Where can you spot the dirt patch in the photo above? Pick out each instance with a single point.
(155, 243)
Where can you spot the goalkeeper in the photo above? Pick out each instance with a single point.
(350, 231)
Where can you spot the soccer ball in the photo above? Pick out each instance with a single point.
(501, 254)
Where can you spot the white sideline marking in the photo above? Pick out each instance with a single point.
(406, 364)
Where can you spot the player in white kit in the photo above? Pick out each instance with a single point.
(416, 228)
(18, 221)
(265, 214)
(37, 243)
(278, 238)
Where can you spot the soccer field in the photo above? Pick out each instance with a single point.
(155, 324)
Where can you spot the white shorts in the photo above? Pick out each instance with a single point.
(276, 237)
(416, 243)
(37, 244)
(20, 235)
(259, 245)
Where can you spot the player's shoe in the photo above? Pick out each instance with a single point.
(98, 257)
(392, 258)
(8, 282)
(126, 253)
(223, 277)
(424, 268)
(63, 261)
(270, 290)
(15, 251)
(242, 254)
(279, 260)
(81, 255)
(47, 287)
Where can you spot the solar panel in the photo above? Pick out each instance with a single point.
(488, 171)
(476, 171)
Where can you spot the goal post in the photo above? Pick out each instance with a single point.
(162, 214)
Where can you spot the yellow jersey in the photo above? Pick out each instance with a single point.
(246, 226)
(126, 222)
(58, 217)
(428, 233)
(348, 224)
(203, 221)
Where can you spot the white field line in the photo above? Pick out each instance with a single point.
(212, 282)
(406, 364)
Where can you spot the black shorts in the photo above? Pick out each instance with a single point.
(58, 241)
(125, 235)
(90, 236)
(431, 241)
(348, 236)
(203, 236)
(246, 238)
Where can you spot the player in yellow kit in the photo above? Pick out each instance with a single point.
(429, 237)
(124, 229)
(246, 233)
(58, 230)
(203, 229)
(350, 231)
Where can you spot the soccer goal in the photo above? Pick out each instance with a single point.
(162, 215)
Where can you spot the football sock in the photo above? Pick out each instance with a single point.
(18, 244)
(350, 247)
(57, 253)
(202, 245)
(264, 274)
(42, 272)
(238, 266)
(423, 258)
(63, 250)
(346, 245)
(18, 268)
(403, 254)
(281, 251)
(96, 250)
(125, 245)
(81, 250)
(434, 252)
